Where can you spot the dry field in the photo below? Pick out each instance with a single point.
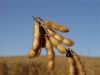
(21, 65)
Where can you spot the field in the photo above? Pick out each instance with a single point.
(22, 65)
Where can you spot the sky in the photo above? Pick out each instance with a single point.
(82, 17)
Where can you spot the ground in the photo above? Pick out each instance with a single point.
(22, 65)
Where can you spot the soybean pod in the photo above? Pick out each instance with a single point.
(56, 26)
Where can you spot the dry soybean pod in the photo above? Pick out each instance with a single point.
(31, 53)
(50, 53)
(41, 40)
(60, 38)
(57, 45)
(56, 26)
(79, 65)
(72, 69)
(35, 43)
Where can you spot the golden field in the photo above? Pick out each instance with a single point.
(22, 65)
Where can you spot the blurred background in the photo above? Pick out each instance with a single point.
(82, 17)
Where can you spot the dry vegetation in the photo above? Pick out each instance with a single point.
(38, 66)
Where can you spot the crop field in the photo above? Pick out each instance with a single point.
(22, 65)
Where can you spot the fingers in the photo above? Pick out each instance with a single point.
(50, 54)
(60, 38)
(56, 26)
(57, 45)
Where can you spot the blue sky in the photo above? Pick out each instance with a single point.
(82, 17)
